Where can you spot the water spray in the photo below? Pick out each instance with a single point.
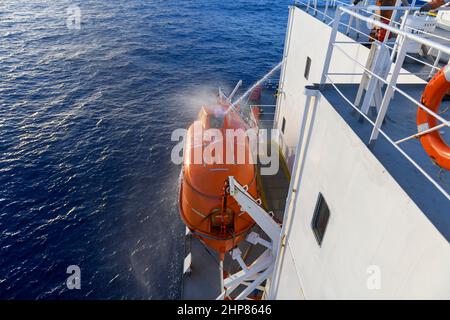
(263, 79)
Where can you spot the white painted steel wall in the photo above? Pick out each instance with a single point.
(308, 36)
(372, 222)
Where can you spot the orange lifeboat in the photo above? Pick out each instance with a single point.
(432, 96)
(206, 208)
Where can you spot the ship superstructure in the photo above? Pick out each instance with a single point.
(361, 210)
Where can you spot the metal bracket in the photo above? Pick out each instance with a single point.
(252, 276)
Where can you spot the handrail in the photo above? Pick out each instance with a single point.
(419, 104)
(418, 31)
(393, 70)
(392, 48)
(408, 35)
(415, 164)
(368, 9)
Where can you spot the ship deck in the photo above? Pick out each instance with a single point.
(399, 123)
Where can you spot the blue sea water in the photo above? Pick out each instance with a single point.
(85, 123)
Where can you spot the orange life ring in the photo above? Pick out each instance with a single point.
(432, 96)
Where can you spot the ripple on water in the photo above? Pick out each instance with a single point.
(86, 117)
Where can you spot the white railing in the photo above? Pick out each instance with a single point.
(322, 10)
(265, 110)
(394, 62)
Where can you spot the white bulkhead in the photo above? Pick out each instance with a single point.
(378, 244)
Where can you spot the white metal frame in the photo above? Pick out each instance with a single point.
(252, 276)
(312, 95)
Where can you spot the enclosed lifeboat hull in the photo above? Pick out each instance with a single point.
(206, 208)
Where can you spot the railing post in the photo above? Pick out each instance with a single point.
(391, 21)
(371, 86)
(389, 91)
(402, 27)
(310, 92)
(326, 64)
(435, 64)
(326, 10)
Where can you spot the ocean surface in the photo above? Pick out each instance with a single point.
(86, 117)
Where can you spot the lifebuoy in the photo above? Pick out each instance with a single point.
(432, 97)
